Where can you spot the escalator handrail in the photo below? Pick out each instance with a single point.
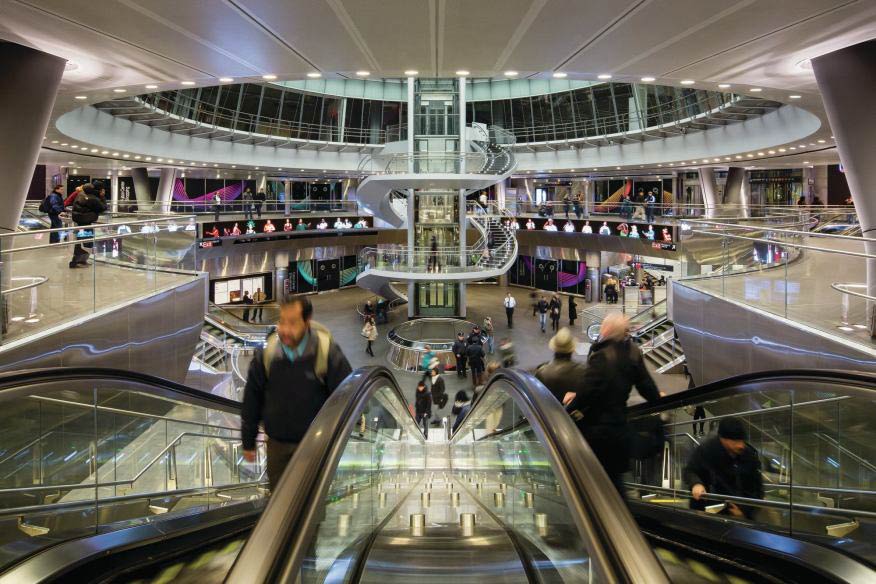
(11, 384)
(597, 505)
(714, 389)
(292, 516)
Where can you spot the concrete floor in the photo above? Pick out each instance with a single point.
(337, 311)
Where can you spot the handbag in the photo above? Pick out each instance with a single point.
(646, 437)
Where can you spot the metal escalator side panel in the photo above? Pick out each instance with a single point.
(600, 518)
(367, 405)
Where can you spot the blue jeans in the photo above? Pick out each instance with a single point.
(542, 320)
(490, 343)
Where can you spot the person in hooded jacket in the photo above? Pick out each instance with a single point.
(423, 407)
(53, 206)
(614, 366)
(87, 208)
(461, 407)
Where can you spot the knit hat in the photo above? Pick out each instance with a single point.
(732, 429)
(563, 341)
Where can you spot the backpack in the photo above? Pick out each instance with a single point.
(323, 345)
(44, 205)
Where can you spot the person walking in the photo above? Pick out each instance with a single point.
(555, 307)
(426, 363)
(367, 310)
(573, 310)
(614, 366)
(562, 375)
(247, 302)
(258, 299)
(725, 465)
(459, 347)
(461, 407)
(287, 383)
(247, 204)
(474, 354)
(439, 393)
(369, 331)
(510, 303)
(87, 208)
(259, 199)
(53, 206)
(217, 206)
(506, 352)
(488, 333)
(541, 307)
(423, 407)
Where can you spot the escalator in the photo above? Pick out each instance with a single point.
(514, 495)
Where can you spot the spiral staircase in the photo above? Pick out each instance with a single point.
(490, 161)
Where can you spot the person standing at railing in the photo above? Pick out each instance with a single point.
(247, 204)
(247, 302)
(567, 204)
(53, 206)
(259, 299)
(86, 210)
(217, 206)
(650, 200)
(287, 384)
(260, 199)
(725, 465)
(459, 347)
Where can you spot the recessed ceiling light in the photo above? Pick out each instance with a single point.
(151, 86)
(726, 158)
(659, 165)
(802, 145)
(782, 150)
(187, 82)
(192, 163)
(771, 151)
(81, 97)
(749, 155)
(115, 153)
(795, 96)
(463, 73)
(603, 76)
(270, 77)
(203, 164)
(160, 160)
(411, 72)
(54, 141)
(716, 160)
(71, 162)
(74, 147)
(363, 73)
(119, 90)
(232, 166)
(104, 151)
(760, 153)
(805, 162)
(738, 156)
(671, 164)
(258, 168)
(63, 143)
(687, 81)
(648, 79)
(511, 73)
(560, 75)
(215, 165)
(170, 160)
(617, 167)
(755, 90)
(312, 75)
(792, 148)
(820, 141)
(148, 158)
(812, 143)
(724, 85)
(137, 157)
(126, 155)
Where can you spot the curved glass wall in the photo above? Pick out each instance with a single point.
(602, 109)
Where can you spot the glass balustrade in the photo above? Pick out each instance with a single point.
(85, 456)
(125, 261)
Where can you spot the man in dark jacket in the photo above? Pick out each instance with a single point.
(562, 376)
(260, 199)
(459, 347)
(614, 366)
(53, 206)
(725, 465)
(287, 384)
(475, 336)
(541, 307)
(475, 356)
(87, 207)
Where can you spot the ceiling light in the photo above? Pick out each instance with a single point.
(595, 169)
(148, 158)
(152, 86)
(687, 81)
(63, 143)
(115, 153)
(749, 155)
(782, 150)
(71, 162)
(704, 160)
(771, 151)
(659, 165)
(671, 164)
(760, 153)
(270, 77)
(104, 151)
(820, 141)
(560, 75)
(279, 169)
(411, 72)
(805, 162)
(137, 157)
(812, 143)
(312, 75)
(738, 156)
(170, 160)
(187, 82)
(232, 166)
(160, 160)
(511, 73)
(716, 160)
(792, 148)
(74, 147)
(648, 79)
(203, 164)
(617, 167)
(463, 73)
(805, 64)
(258, 168)
(724, 85)
(226, 80)
(192, 163)
(726, 158)
(54, 141)
(119, 90)
(603, 76)
(755, 90)
(126, 155)
(80, 97)
(795, 96)
(215, 165)
(363, 73)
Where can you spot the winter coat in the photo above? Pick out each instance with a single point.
(720, 473)
(87, 208)
(459, 348)
(423, 403)
(475, 354)
(560, 376)
(369, 331)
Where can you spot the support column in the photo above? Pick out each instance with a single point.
(165, 189)
(845, 79)
(142, 189)
(735, 191)
(30, 79)
(114, 191)
(707, 188)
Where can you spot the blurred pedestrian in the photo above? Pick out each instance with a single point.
(423, 407)
(247, 302)
(461, 407)
(488, 333)
(542, 308)
(439, 393)
(506, 352)
(369, 331)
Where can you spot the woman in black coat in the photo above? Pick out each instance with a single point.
(573, 311)
(423, 407)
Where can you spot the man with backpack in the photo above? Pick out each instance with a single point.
(287, 384)
(53, 206)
